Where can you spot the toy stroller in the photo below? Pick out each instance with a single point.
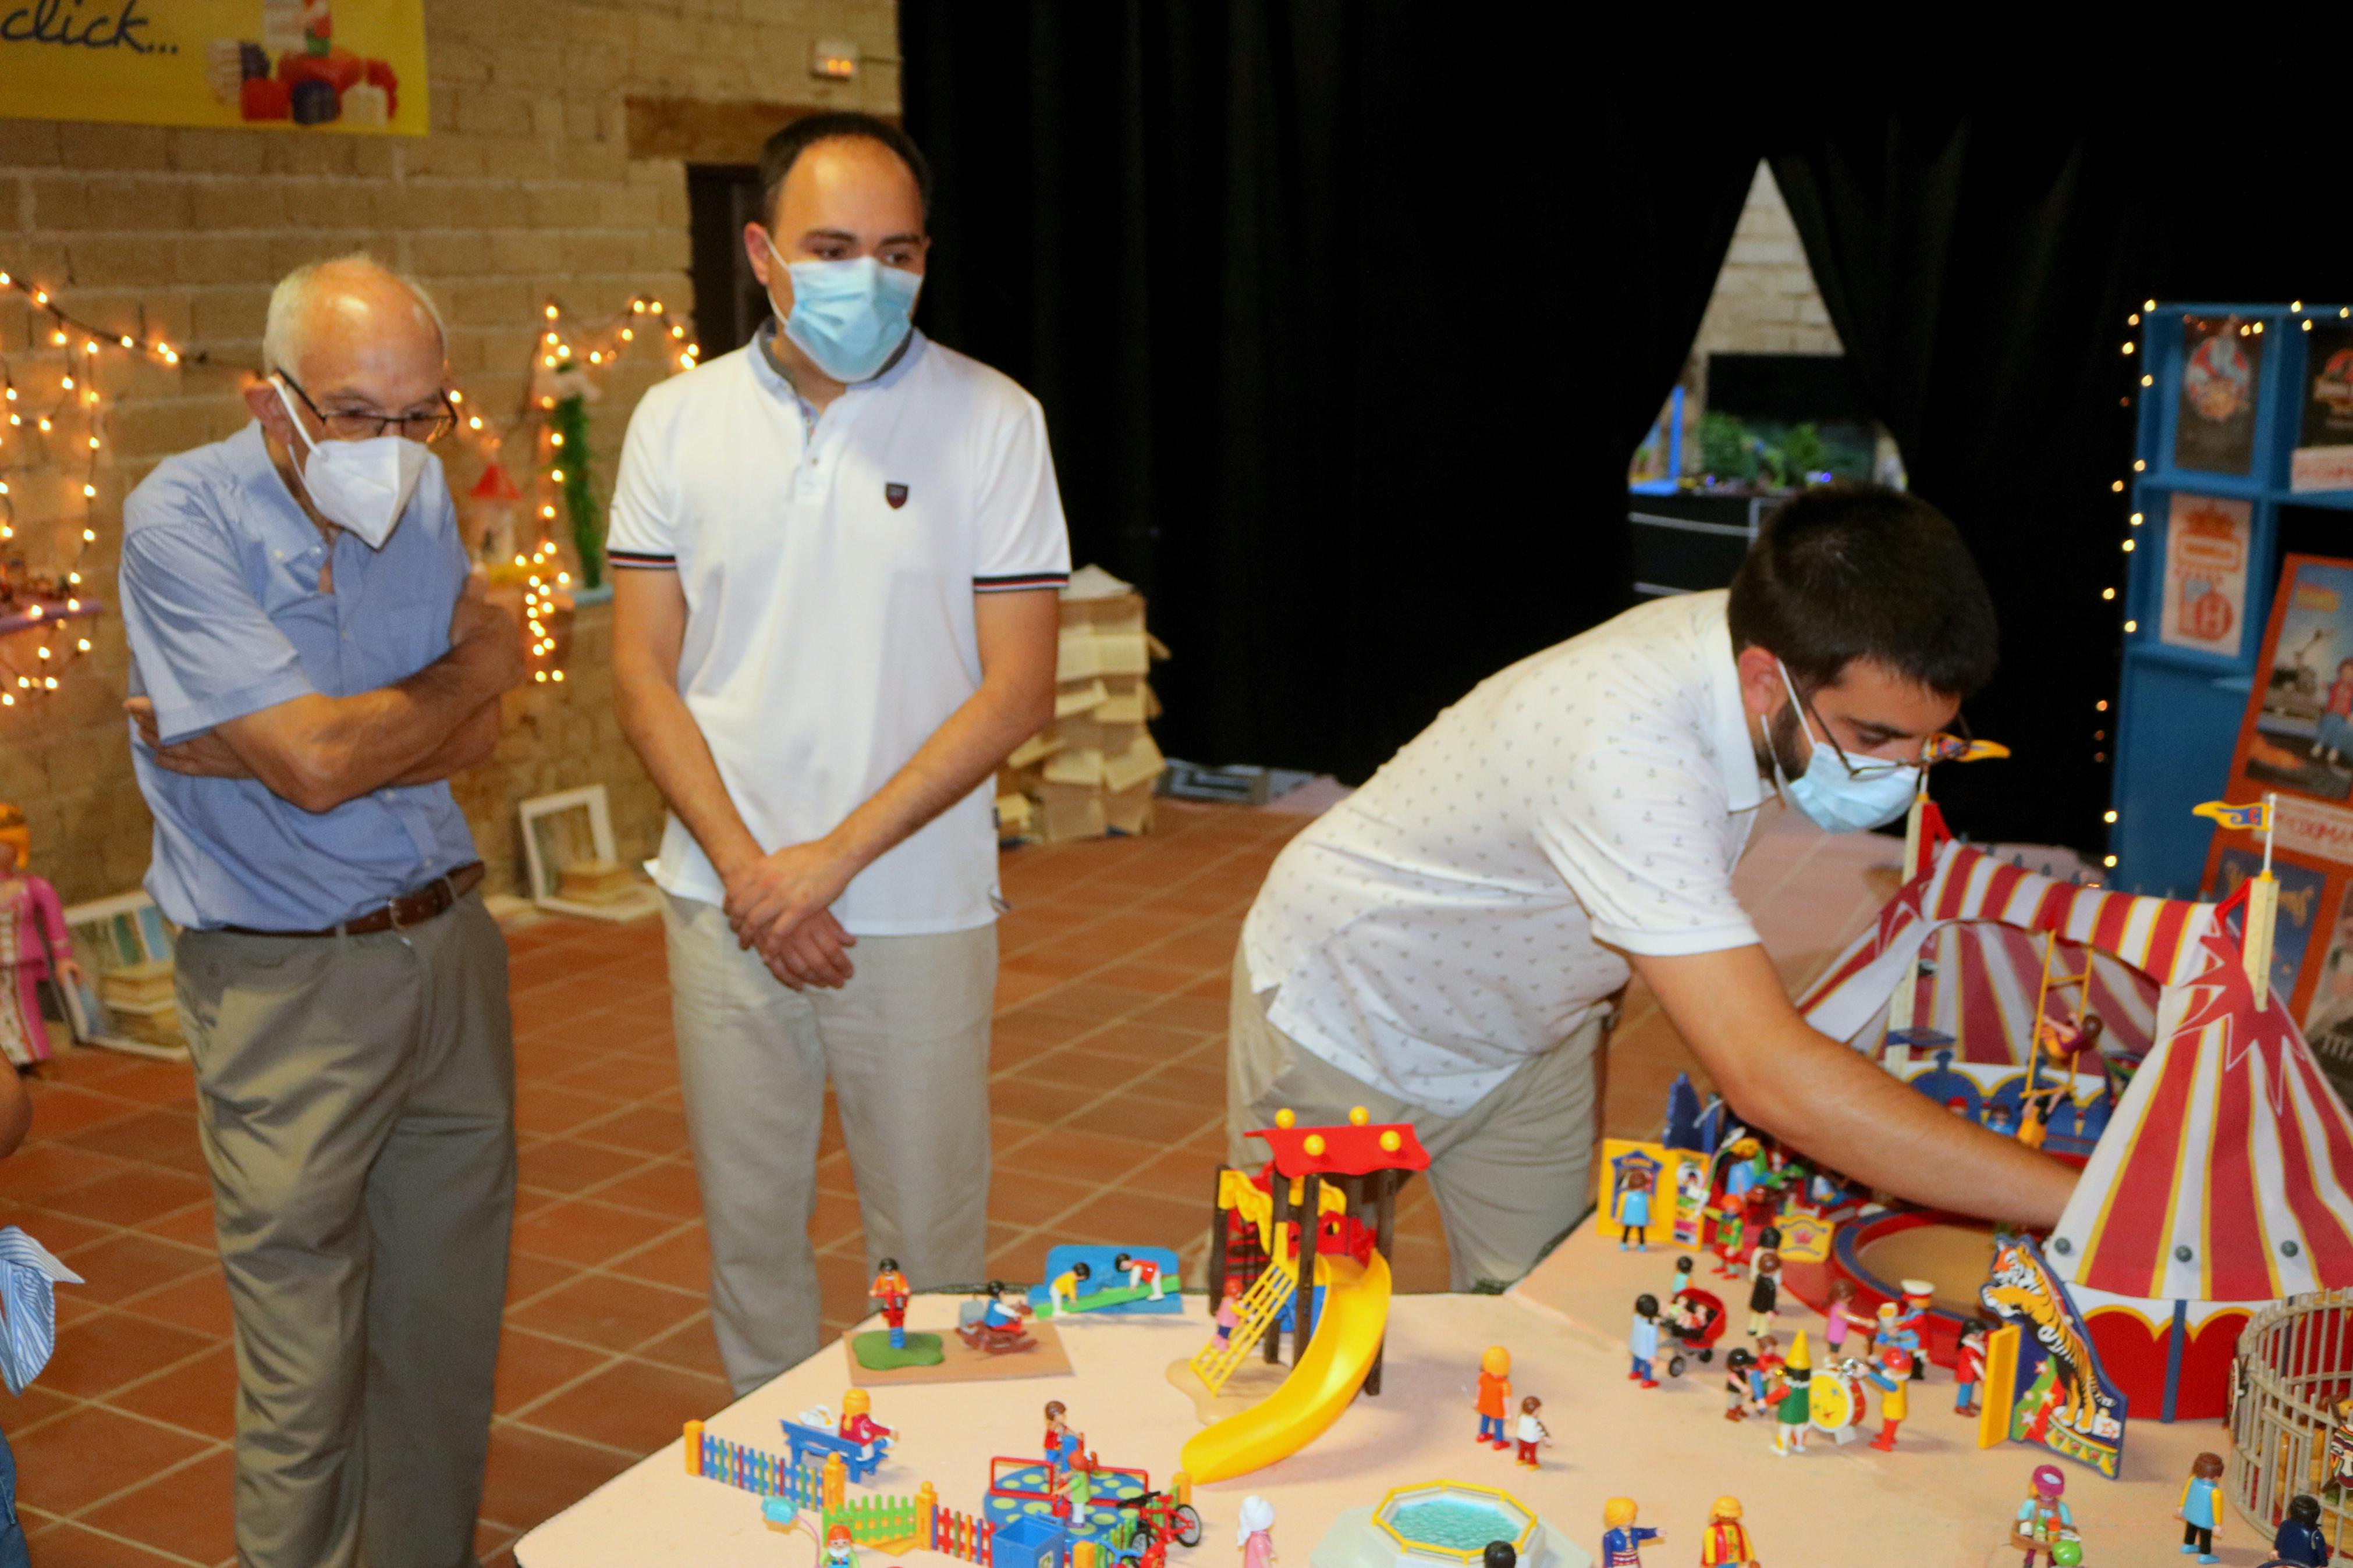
(1694, 1320)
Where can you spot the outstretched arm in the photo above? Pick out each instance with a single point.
(1836, 1107)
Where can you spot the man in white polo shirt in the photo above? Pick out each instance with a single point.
(835, 615)
(1446, 946)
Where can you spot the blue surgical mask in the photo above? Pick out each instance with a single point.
(1829, 793)
(850, 317)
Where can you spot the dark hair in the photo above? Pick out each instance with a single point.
(1646, 1305)
(1855, 571)
(2304, 1507)
(1500, 1554)
(785, 148)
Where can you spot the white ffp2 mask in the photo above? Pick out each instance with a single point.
(361, 485)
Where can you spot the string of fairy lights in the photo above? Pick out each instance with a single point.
(56, 413)
(55, 422)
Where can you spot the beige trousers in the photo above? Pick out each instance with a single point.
(1511, 1175)
(906, 1045)
(355, 1097)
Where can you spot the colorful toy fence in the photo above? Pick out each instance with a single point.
(962, 1536)
(770, 1475)
(897, 1522)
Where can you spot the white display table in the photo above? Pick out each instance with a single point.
(1937, 1501)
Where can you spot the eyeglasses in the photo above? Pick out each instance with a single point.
(1872, 767)
(427, 427)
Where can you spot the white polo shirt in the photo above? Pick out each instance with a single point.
(830, 570)
(1444, 924)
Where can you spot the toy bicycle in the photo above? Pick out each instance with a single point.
(1163, 1519)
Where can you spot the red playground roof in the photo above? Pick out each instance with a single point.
(1357, 1149)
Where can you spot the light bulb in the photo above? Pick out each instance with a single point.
(2132, 626)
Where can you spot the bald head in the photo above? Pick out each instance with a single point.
(356, 338)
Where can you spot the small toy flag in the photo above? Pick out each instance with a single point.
(1942, 747)
(2255, 816)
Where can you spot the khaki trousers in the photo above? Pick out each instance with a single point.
(355, 1097)
(906, 1044)
(1510, 1174)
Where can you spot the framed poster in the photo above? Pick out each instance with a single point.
(2296, 740)
(2207, 541)
(2323, 460)
(312, 66)
(2214, 422)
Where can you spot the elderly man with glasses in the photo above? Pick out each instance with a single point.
(1446, 946)
(310, 663)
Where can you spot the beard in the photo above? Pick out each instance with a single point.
(1782, 742)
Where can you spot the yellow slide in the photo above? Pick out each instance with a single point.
(1348, 1337)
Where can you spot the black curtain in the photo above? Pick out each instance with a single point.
(1334, 370)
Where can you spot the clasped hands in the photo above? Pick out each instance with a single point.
(782, 905)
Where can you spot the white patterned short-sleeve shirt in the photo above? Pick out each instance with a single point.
(1447, 922)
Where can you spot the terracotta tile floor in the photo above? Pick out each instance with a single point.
(1107, 1115)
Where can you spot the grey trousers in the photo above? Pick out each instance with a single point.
(355, 1097)
(1510, 1174)
(906, 1044)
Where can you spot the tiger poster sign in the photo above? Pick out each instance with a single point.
(2043, 1381)
(308, 65)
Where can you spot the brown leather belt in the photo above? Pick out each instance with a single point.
(414, 908)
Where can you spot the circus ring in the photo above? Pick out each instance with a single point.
(2294, 1366)
(1877, 1252)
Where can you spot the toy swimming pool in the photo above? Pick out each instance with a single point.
(1443, 1524)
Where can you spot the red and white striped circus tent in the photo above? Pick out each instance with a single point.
(2224, 1178)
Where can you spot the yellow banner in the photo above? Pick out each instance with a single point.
(271, 64)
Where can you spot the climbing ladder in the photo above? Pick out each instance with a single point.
(2045, 1031)
(1260, 1305)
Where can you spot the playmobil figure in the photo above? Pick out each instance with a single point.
(1634, 1209)
(1643, 1341)
(1744, 1172)
(1621, 1538)
(1765, 1374)
(2299, 1540)
(2200, 1513)
(1494, 1396)
(1764, 1295)
(1498, 1554)
(1061, 1444)
(1064, 1291)
(2043, 1520)
(1142, 1274)
(999, 1328)
(1230, 1313)
(889, 1287)
(1839, 1315)
(1739, 1367)
(858, 1423)
(35, 944)
(1530, 1431)
(1730, 1228)
(839, 1551)
(1683, 1280)
(1255, 1532)
(1912, 1323)
(1893, 1378)
(1968, 1366)
(1791, 1397)
(1725, 1544)
(2340, 1445)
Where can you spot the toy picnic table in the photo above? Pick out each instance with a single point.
(1937, 1501)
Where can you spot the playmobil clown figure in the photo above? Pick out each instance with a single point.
(1969, 1367)
(1142, 1274)
(1792, 1399)
(858, 1426)
(1621, 1538)
(839, 1551)
(1893, 1378)
(1643, 1341)
(1634, 1209)
(1494, 1396)
(890, 1289)
(1725, 1544)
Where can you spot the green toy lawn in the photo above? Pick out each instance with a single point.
(874, 1352)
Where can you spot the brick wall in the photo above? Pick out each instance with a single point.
(561, 131)
(1764, 299)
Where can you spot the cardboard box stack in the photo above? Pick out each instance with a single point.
(1091, 771)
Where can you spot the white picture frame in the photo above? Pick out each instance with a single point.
(546, 816)
(113, 933)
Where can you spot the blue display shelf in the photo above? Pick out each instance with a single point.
(2180, 709)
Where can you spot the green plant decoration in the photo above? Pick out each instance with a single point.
(1803, 455)
(568, 459)
(1724, 448)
